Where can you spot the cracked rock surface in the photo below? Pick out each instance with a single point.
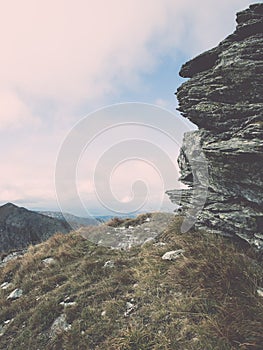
(224, 98)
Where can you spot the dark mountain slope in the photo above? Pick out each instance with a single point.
(20, 227)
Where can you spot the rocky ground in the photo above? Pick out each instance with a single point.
(129, 232)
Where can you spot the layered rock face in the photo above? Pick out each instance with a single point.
(221, 163)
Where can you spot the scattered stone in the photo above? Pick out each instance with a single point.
(68, 303)
(124, 237)
(12, 256)
(109, 264)
(3, 326)
(6, 285)
(103, 313)
(17, 293)
(59, 325)
(260, 292)
(159, 244)
(129, 309)
(173, 255)
(49, 261)
(148, 219)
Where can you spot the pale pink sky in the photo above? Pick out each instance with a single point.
(62, 59)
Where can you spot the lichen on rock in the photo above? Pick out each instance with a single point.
(224, 98)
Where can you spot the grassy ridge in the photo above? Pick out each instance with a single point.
(207, 299)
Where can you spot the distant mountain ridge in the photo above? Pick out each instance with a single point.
(77, 222)
(74, 221)
(20, 227)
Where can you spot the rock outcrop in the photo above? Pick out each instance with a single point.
(20, 227)
(224, 98)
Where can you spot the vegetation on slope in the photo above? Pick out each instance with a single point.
(206, 299)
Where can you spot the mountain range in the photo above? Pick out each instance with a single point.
(74, 221)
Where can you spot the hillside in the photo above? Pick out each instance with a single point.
(20, 227)
(69, 293)
(146, 283)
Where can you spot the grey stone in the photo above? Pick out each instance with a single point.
(4, 325)
(130, 307)
(12, 256)
(17, 293)
(109, 264)
(125, 237)
(49, 261)
(59, 325)
(173, 254)
(6, 285)
(160, 244)
(224, 98)
(67, 303)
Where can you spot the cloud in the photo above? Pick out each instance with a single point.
(14, 112)
(72, 51)
(61, 59)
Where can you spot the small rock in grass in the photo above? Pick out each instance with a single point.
(173, 255)
(17, 293)
(129, 309)
(69, 303)
(109, 264)
(159, 244)
(49, 261)
(59, 325)
(5, 285)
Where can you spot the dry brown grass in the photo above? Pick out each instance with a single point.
(126, 222)
(207, 299)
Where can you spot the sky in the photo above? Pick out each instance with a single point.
(88, 119)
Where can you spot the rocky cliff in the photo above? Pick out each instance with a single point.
(20, 227)
(224, 98)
